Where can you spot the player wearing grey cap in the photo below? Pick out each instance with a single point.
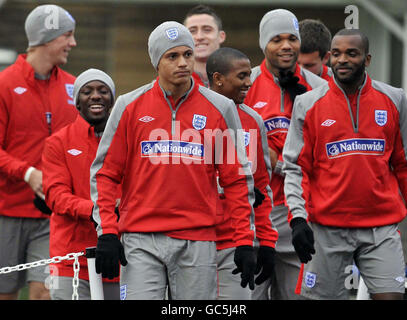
(35, 101)
(162, 143)
(67, 157)
(276, 83)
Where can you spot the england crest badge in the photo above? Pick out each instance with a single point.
(380, 117)
(246, 138)
(172, 33)
(199, 121)
(310, 279)
(69, 89)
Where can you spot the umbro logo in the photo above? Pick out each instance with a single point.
(328, 123)
(259, 104)
(20, 90)
(146, 119)
(74, 152)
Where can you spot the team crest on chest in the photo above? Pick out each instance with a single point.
(380, 117)
(199, 121)
(246, 138)
(69, 89)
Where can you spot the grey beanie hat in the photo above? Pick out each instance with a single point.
(47, 22)
(276, 22)
(92, 75)
(168, 35)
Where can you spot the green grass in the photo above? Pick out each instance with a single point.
(23, 295)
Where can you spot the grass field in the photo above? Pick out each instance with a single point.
(23, 294)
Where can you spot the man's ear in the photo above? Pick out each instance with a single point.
(325, 59)
(217, 78)
(222, 36)
(368, 59)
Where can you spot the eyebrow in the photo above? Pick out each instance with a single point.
(100, 86)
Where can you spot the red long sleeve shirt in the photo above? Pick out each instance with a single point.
(30, 110)
(275, 107)
(343, 168)
(258, 155)
(166, 155)
(66, 160)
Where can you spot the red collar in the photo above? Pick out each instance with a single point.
(28, 71)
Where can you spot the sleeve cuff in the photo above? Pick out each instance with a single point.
(278, 169)
(28, 174)
(267, 243)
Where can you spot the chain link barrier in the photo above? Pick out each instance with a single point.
(57, 259)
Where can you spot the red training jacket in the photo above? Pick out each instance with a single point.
(166, 154)
(352, 167)
(67, 157)
(275, 107)
(25, 105)
(255, 140)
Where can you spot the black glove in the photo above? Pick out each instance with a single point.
(109, 251)
(265, 261)
(302, 239)
(41, 205)
(116, 211)
(290, 83)
(245, 261)
(259, 197)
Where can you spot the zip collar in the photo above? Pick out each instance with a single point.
(363, 89)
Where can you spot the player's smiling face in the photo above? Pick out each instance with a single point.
(94, 102)
(206, 34)
(281, 52)
(348, 58)
(236, 82)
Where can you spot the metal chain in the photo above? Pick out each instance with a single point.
(29, 265)
(75, 279)
(56, 259)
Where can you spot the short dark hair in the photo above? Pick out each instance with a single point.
(221, 61)
(355, 32)
(315, 36)
(204, 9)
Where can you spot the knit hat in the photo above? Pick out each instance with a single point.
(276, 22)
(168, 35)
(47, 22)
(92, 75)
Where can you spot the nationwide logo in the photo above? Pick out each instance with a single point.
(74, 152)
(355, 146)
(20, 90)
(277, 124)
(328, 123)
(181, 149)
